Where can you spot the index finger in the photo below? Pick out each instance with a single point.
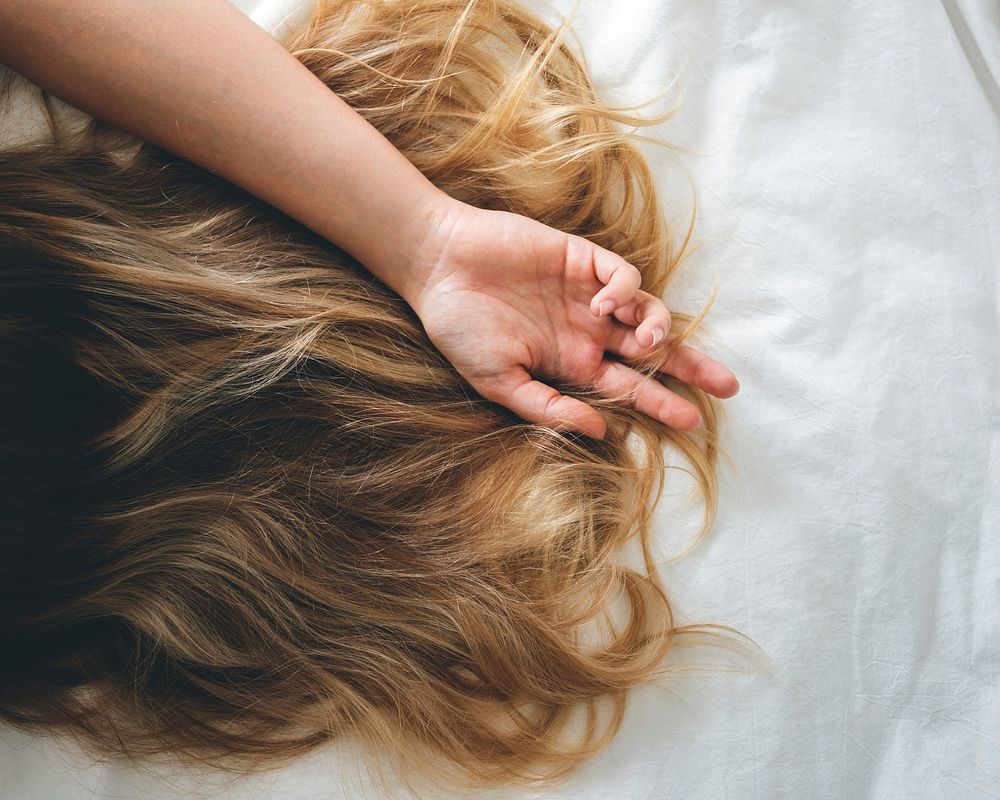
(542, 404)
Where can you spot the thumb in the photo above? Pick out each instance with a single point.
(540, 403)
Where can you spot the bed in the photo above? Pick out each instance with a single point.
(846, 163)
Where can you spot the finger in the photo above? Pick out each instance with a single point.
(699, 370)
(685, 363)
(621, 281)
(649, 315)
(622, 342)
(538, 402)
(650, 397)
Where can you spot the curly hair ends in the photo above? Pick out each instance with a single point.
(249, 508)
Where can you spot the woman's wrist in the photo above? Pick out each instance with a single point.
(403, 250)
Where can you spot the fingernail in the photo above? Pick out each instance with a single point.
(605, 308)
(657, 336)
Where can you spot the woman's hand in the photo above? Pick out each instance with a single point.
(511, 302)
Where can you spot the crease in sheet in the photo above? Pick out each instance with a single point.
(973, 54)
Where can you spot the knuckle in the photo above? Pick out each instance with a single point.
(632, 275)
(549, 403)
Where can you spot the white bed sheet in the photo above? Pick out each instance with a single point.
(847, 167)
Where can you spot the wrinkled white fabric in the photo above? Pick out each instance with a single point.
(846, 160)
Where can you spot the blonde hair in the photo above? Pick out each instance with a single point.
(249, 508)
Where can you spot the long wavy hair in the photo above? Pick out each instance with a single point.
(247, 507)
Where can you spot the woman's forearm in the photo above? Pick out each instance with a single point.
(200, 79)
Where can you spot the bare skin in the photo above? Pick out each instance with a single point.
(509, 301)
(509, 298)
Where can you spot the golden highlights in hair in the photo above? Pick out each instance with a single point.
(248, 508)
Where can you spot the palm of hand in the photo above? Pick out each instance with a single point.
(487, 328)
(511, 302)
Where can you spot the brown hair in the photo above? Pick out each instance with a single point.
(248, 507)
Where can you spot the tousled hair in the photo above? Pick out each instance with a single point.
(249, 508)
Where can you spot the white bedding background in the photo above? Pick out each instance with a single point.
(846, 159)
